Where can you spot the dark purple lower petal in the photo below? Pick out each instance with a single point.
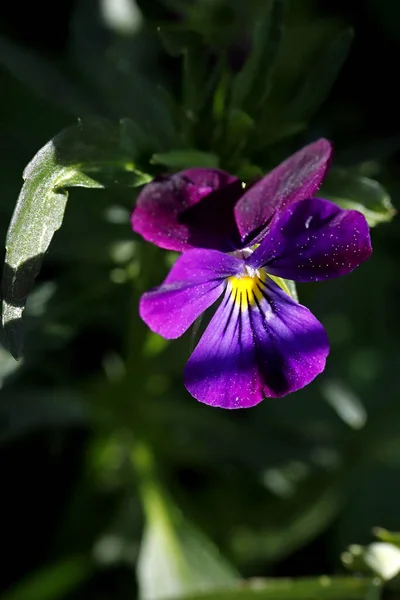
(194, 283)
(256, 346)
(163, 212)
(314, 240)
(297, 178)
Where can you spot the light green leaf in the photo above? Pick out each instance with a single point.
(321, 77)
(252, 84)
(87, 155)
(185, 159)
(319, 588)
(387, 536)
(175, 559)
(292, 289)
(356, 192)
(288, 286)
(345, 403)
(51, 582)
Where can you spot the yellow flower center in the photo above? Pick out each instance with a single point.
(249, 289)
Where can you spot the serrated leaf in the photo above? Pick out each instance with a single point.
(252, 84)
(185, 159)
(87, 155)
(175, 558)
(51, 582)
(320, 79)
(352, 191)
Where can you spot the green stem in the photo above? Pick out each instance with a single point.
(153, 497)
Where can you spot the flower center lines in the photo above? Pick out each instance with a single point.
(247, 290)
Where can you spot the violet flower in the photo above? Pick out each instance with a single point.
(238, 243)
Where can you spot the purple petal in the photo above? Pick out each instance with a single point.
(314, 240)
(268, 347)
(164, 210)
(194, 283)
(297, 178)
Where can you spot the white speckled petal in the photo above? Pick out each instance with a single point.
(195, 282)
(299, 177)
(314, 240)
(269, 347)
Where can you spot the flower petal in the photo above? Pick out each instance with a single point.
(314, 240)
(267, 346)
(163, 214)
(194, 283)
(297, 178)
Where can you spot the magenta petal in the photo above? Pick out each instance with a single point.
(194, 283)
(297, 178)
(314, 240)
(270, 349)
(162, 213)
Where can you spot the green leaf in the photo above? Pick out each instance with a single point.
(292, 289)
(321, 77)
(185, 159)
(26, 411)
(252, 84)
(307, 512)
(87, 155)
(112, 64)
(387, 536)
(287, 285)
(8, 365)
(356, 192)
(51, 582)
(195, 77)
(238, 128)
(44, 78)
(347, 405)
(176, 39)
(319, 588)
(175, 559)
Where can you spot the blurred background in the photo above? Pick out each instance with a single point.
(98, 435)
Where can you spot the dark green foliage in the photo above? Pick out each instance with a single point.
(116, 483)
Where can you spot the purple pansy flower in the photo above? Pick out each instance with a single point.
(238, 243)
